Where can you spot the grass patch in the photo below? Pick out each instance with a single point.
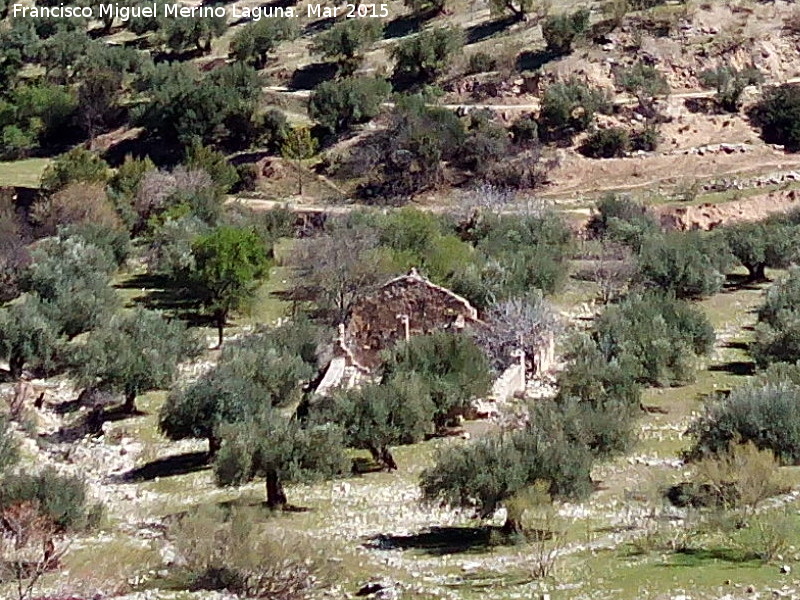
(23, 173)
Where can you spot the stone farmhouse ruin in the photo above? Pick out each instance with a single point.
(411, 305)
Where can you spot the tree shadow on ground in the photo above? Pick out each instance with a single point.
(170, 466)
(439, 541)
(318, 26)
(406, 25)
(165, 294)
(482, 31)
(89, 424)
(694, 557)
(310, 76)
(741, 368)
(532, 60)
(736, 282)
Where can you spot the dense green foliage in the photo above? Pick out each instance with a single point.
(338, 105)
(560, 31)
(345, 42)
(427, 55)
(760, 245)
(133, 353)
(767, 415)
(729, 84)
(778, 114)
(623, 220)
(569, 108)
(62, 499)
(229, 264)
(778, 329)
(253, 43)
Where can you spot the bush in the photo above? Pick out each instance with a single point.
(524, 131)
(760, 245)
(9, 451)
(686, 264)
(75, 166)
(766, 415)
(646, 140)
(345, 42)
(63, 499)
(569, 108)
(253, 43)
(489, 472)
(75, 204)
(427, 55)
(729, 83)
(481, 62)
(613, 142)
(451, 366)
(560, 31)
(778, 114)
(238, 553)
(656, 336)
(339, 105)
(622, 220)
(778, 329)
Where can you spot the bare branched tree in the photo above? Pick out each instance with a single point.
(28, 547)
(525, 322)
(334, 269)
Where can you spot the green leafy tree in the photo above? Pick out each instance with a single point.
(98, 96)
(73, 280)
(489, 472)
(260, 370)
(28, 337)
(427, 55)
(194, 32)
(376, 417)
(760, 245)
(626, 332)
(518, 8)
(346, 42)
(569, 108)
(280, 450)
(213, 162)
(338, 105)
(78, 165)
(613, 142)
(767, 415)
(729, 84)
(644, 82)
(622, 220)
(298, 146)
(778, 329)
(778, 114)
(230, 264)
(253, 43)
(560, 31)
(134, 353)
(453, 368)
(688, 264)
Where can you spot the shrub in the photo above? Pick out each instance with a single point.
(75, 166)
(9, 451)
(560, 31)
(481, 62)
(427, 55)
(627, 331)
(28, 337)
(760, 245)
(766, 415)
(613, 142)
(253, 43)
(643, 81)
(452, 367)
(75, 204)
(488, 472)
(524, 131)
(63, 499)
(686, 264)
(778, 114)
(338, 105)
(240, 554)
(346, 41)
(623, 220)
(778, 330)
(729, 84)
(569, 108)
(646, 140)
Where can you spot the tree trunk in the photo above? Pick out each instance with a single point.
(213, 446)
(299, 179)
(130, 401)
(388, 459)
(276, 497)
(15, 364)
(757, 272)
(512, 526)
(220, 315)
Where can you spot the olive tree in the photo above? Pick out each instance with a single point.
(345, 42)
(279, 449)
(133, 353)
(28, 337)
(427, 55)
(760, 245)
(376, 417)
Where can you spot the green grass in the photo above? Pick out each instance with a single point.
(23, 173)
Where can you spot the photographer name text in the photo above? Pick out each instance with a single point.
(181, 11)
